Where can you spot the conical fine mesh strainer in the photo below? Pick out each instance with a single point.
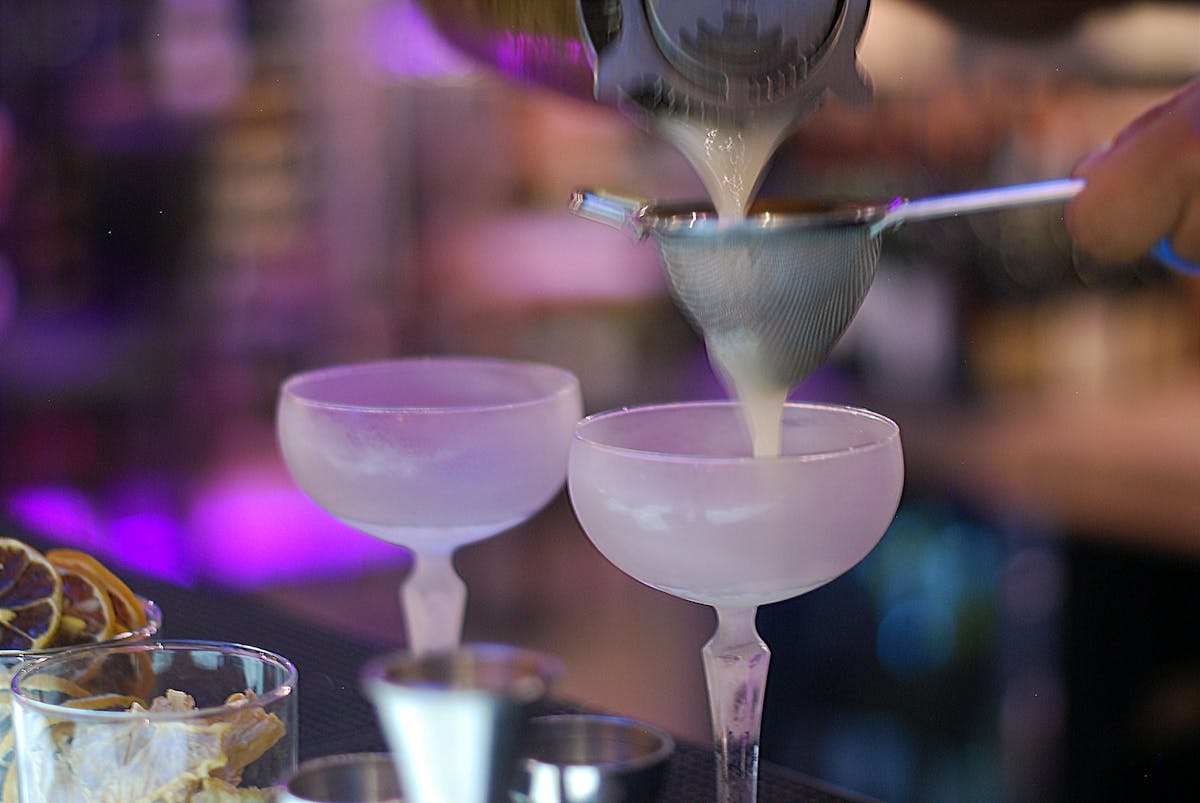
(783, 284)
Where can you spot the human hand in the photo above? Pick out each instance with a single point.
(1144, 187)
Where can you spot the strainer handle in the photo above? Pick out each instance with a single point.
(1039, 192)
(619, 211)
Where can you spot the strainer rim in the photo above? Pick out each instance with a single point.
(699, 219)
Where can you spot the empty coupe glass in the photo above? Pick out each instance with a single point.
(430, 453)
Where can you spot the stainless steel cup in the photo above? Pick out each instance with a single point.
(343, 778)
(585, 758)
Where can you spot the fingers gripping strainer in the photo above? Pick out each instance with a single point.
(784, 283)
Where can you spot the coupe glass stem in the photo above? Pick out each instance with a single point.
(434, 599)
(735, 668)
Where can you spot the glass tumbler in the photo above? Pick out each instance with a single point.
(172, 720)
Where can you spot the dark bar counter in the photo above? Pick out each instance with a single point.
(334, 716)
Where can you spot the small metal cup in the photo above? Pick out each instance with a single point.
(344, 778)
(453, 720)
(585, 758)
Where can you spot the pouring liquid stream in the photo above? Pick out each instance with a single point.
(730, 161)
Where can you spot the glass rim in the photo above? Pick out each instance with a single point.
(568, 383)
(279, 691)
(892, 433)
(542, 668)
(146, 631)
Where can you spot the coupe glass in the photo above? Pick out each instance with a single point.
(430, 453)
(671, 496)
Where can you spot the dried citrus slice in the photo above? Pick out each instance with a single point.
(128, 613)
(87, 609)
(30, 597)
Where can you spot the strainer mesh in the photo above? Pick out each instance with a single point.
(794, 292)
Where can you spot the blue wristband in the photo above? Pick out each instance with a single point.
(1163, 253)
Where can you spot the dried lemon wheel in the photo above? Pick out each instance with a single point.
(128, 613)
(87, 609)
(30, 597)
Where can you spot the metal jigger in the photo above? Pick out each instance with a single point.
(454, 720)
